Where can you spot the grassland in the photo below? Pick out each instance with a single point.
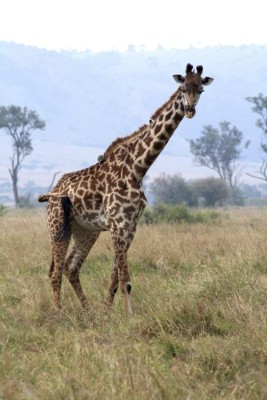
(199, 329)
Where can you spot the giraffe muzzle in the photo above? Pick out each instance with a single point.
(190, 112)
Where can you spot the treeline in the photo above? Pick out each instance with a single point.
(205, 192)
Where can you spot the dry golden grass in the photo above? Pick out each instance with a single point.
(199, 329)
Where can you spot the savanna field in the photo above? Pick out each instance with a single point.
(199, 329)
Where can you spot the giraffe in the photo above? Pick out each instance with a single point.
(109, 195)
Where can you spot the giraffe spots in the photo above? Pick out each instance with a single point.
(150, 158)
(121, 155)
(108, 178)
(105, 167)
(80, 192)
(158, 128)
(148, 140)
(169, 128)
(129, 161)
(122, 185)
(178, 118)
(168, 116)
(119, 198)
(92, 216)
(112, 157)
(88, 201)
(134, 195)
(97, 204)
(140, 170)
(158, 146)
(101, 176)
(124, 171)
(83, 184)
(129, 209)
(78, 205)
(119, 219)
(140, 150)
(163, 137)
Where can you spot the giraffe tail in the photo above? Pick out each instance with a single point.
(67, 211)
(43, 197)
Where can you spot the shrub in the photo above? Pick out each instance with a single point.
(3, 210)
(164, 213)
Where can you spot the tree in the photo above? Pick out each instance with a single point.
(170, 189)
(219, 150)
(260, 107)
(210, 191)
(19, 123)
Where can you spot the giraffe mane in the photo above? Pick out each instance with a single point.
(123, 140)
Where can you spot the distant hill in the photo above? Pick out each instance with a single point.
(88, 99)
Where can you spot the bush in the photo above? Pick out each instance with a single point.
(170, 189)
(164, 213)
(210, 192)
(3, 210)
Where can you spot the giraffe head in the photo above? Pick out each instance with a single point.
(191, 88)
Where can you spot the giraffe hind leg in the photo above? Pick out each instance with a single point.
(58, 218)
(83, 241)
(56, 270)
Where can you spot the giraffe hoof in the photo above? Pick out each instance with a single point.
(128, 287)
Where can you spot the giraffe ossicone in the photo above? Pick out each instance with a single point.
(109, 195)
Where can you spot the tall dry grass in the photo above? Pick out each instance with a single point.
(199, 329)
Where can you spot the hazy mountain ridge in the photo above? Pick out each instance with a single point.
(89, 99)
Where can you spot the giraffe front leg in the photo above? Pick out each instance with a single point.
(114, 280)
(121, 246)
(113, 284)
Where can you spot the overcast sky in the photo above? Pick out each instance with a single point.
(114, 24)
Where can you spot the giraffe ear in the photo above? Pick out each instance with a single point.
(207, 81)
(178, 78)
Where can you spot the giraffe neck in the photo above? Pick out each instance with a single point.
(163, 124)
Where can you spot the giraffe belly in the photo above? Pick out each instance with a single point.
(93, 221)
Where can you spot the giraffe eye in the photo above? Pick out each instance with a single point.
(201, 91)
